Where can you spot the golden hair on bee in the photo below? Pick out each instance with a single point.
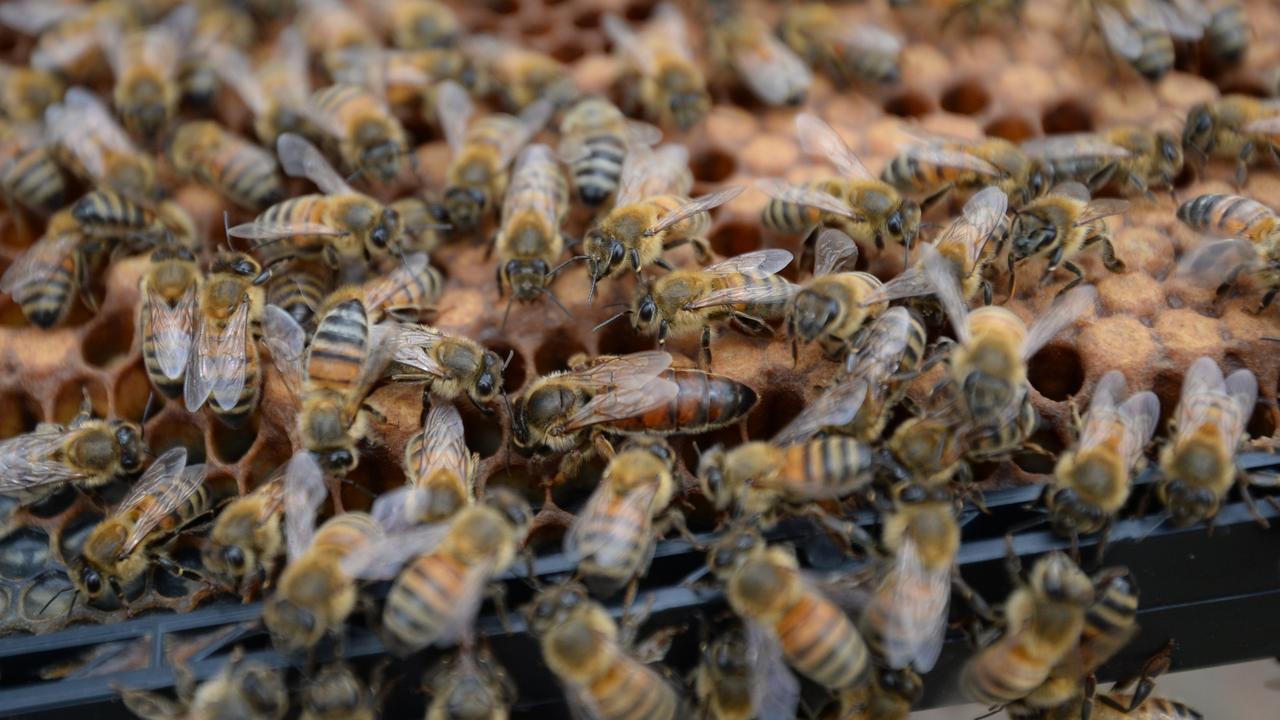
(226, 162)
(224, 363)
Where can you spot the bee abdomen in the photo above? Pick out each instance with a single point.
(834, 462)
(1156, 58)
(33, 178)
(1227, 34)
(789, 217)
(820, 641)
(1233, 214)
(339, 346)
(596, 174)
(421, 599)
(102, 212)
(703, 402)
(629, 690)
(239, 413)
(169, 388)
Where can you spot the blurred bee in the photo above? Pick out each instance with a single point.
(277, 91)
(977, 12)
(529, 240)
(145, 63)
(1092, 480)
(107, 215)
(583, 647)
(46, 277)
(228, 163)
(470, 686)
(330, 25)
(368, 138)
(743, 289)
(335, 692)
(594, 140)
(612, 537)
(247, 539)
(216, 25)
(1060, 225)
(343, 227)
(1198, 463)
(418, 24)
(440, 473)
(519, 75)
(936, 165)
(1240, 128)
(169, 297)
(88, 453)
(410, 289)
(651, 213)
(660, 79)
(888, 696)
(26, 91)
(1043, 618)
(28, 174)
(1226, 36)
(316, 592)
(299, 288)
(845, 53)
(90, 142)
(167, 498)
(723, 679)
(1138, 158)
(1235, 216)
(224, 362)
(866, 209)
(482, 150)
(71, 35)
(250, 691)
(786, 618)
(1143, 32)
(831, 308)
(742, 42)
(930, 447)
(625, 394)
(435, 598)
(1252, 232)
(450, 364)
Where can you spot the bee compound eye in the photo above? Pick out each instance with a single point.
(234, 557)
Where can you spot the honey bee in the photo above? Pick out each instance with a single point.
(482, 150)
(228, 163)
(330, 25)
(366, 135)
(1198, 463)
(594, 140)
(224, 363)
(583, 647)
(845, 54)
(277, 91)
(450, 364)
(419, 24)
(404, 78)
(1143, 32)
(45, 279)
(529, 240)
(90, 143)
(936, 165)
(866, 209)
(723, 679)
(88, 453)
(441, 474)
(435, 597)
(337, 693)
(661, 78)
(1240, 128)
(521, 76)
(1226, 36)
(787, 617)
(1092, 480)
(215, 25)
(111, 216)
(299, 288)
(1043, 618)
(27, 91)
(470, 686)
(651, 213)
(1231, 216)
(250, 691)
(1060, 225)
(247, 539)
(70, 36)
(167, 498)
(344, 227)
(889, 696)
(169, 295)
(145, 63)
(28, 174)
(831, 308)
(1139, 158)
(612, 537)
(407, 291)
(742, 289)
(1252, 232)
(745, 44)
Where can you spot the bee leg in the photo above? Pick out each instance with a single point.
(1013, 277)
(1090, 690)
(976, 602)
(1013, 563)
(498, 593)
(602, 446)
(1074, 269)
(634, 255)
(701, 250)
(1243, 481)
(1266, 300)
(675, 520)
(935, 197)
(987, 291)
(1103, 539)
(705, 345)
(1155, 666)
(751, 324)
(663, 264)
(631, 622)
(1242, 164)
(1109, 259)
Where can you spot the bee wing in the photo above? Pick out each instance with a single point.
(299, 158)
(1204, 376)
(695, 206)
(230, 358)
(642, 134)
(1072, 145)
(37, 262)
(939, 274)
(1104, 207)
(287, 341)
(233, 68)
(934, 153)
(614, 548)
(168, 492)
(981, 217)
(750, 293)
(647, 172)
(460, 626)
(1119, 34)
(378, 290)
(382, 348)
(668, 23)
(1214, 263)
(84, 126)
(1265, 126)
(1242, 386)
(809, 197)
(454, 108)
(414, 352)
(1063, 312)
(444, 440)
(1108, 392)
(772, 70)
(628, 42)
(529, 123)
(819, 139)
(775, 692)
(304, 491)
(869, 38)
(396, 510)
(173, 330)
(1141, 412)
(759, 262)
(833, 249)
(613, 371)
(30, 460)
(292, 61)
(918, 600)
(32, 17)
(1183, 20)
(629, 398)
(836, 407)
(911, 282)
(383, 558)
(266, 232)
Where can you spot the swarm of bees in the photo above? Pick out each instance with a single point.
(331, 285)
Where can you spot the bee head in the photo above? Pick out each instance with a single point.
(604, 253)
(292, 627)
(1189, 504)
(488, 382)
(128, 438)
(903, 224)
(465, 204)
(1198, 132)
(1073, 515)
(732, 548)
(711, 477)
(386, 231)
(687, 106)
(511, 505)
(1058, 579)
(1170, 153)
(812, 313)
(92, 582)
(263, 690)
(1031, 234)
(904, 683)
(553, 605)
(337, 461)
(645, 314)
(526, 278)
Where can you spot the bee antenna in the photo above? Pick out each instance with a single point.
(146, 411)
(556, 270)
(226, 227)
(557, 302)
(502, 329)
(591, 294)
(510, 354)
(606, 322)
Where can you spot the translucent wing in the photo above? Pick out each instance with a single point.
(383, 558)
(773, 72)
(38, 262)
(233, 68)
(1183, 20)
(1061, 314)
(835, 408)
(454, 108)
(628, 399)
(642, 134)
(759, 262)
(775, 692)
(871, 39)
(819, 139)
(30, 460)
(217, 366)
(289, 65)
(911, 282)
(172, 330)
(522, 129)
(1242, 386)
(760, 293)
(263, 232)
(444, 441)
(695, 206)
(379, 290)
(1105, 207)
(833, 249)
(32, 17)
(809, 197)
(1141, 412)
(669, 24)
(1203, 377)
(628, 42)
(167, 494)
(84, 126)
(299, 158)
(1216, 262)
(647, 172)
(382, 347)
(610, 549)
(287, 341)
(1072, 145)
(411, 348)
(304, 491)
(460, 624)
(917, 598)
(612, 371)
(1108, 392)
(940, 275)
(982, 215)
(1120, 35)
(1266, 126)
(952, 157)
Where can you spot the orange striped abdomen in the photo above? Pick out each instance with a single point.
(820, 641)
(837, 463)
(624, 528)
(629, 690)
(423, 600)
(703, 402)
(339, 347)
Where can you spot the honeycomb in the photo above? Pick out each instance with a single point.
(1013, 80)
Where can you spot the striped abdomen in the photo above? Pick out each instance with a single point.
(339, 348)
(1156, 57)
(694, 226)
(55, 277)
(344, 534)
(836, 464)
(1229, 215)
(626, 533)
(1108, 624)
(294, 211)
(29, 174)
(908, 172)
(240, 412)
(1227, 34)
(230, 164)
(193, 506)
(170, 387)
(1153, 708)
(300, 290)
(630, 690)
(820, 641)
(404, 289)
(765, 310)
(423, 600)
(789, 217)
(703, 402)
(599, 129)
(103, 213)
(537, 186)
(345, 105)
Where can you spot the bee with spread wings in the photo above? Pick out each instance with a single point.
(93, 144)
(89, 453)
(441, 474)
(743, 42)
(223, 363)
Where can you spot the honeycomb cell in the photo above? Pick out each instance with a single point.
(482, 432)
(536, 25)
(712, 165)
(70, 396)
(640, 10)
(11, 313)
(546, 539)
(572, 494)
(1040, 463)
(1262, 423)
(1167, 385)
(1056, 372)
(568, 51)
(515, 372)
(520, 479)
(735, 237)
(556, 350)
(1067, 116)
(587, 19)
(777, 407)
(269, 458)
(230, 444)
(169, 435)
(1013, 128)
(19, 413)
(967, 97)
(55, 504)
(909, 104)
(109, 340)
(48, 596)
(132, 390)
(23, 553)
